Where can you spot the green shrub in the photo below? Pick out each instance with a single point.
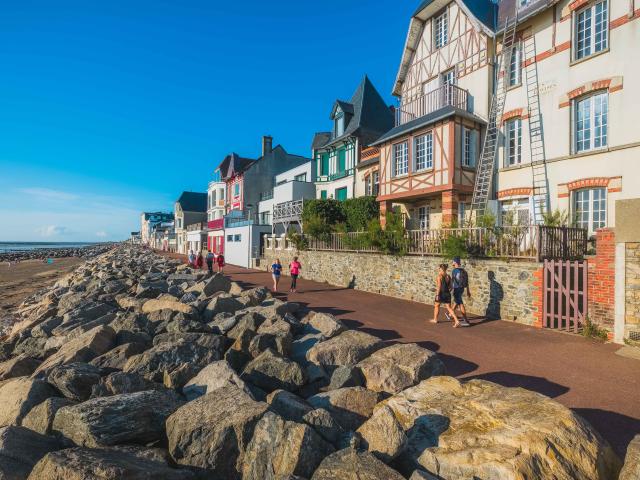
(557, 218)
(393, 239)
(328, 210)
(316, 227)
(298, 240)
(359, 212)
(455, 246)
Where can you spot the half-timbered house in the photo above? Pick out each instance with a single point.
(428, 160)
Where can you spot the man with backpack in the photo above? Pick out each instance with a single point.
(460, 283)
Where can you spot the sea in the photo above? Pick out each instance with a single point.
(6, 247)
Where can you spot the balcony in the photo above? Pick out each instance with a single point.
(217, 224)
(194, 227)
(444, 96)
(335, 176)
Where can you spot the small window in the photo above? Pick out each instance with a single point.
(237, 237)
(339, 125)
(590, 208)
(469, 149)
(367, 185)
(301, 178)
(341, 194)
(376, 183)
(515, 67)
(591, 30)
(423, 217)
(441, 30)
(401, 159)
(229, 238)
(424, 152)
(515, 212)
(236, 190)
(265, 218)
(513, 139)
(591, 122)
(323, 194)
(462, 210)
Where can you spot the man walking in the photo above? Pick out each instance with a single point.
(209, 259)
(460, 280)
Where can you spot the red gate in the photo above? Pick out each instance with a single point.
(564, 294)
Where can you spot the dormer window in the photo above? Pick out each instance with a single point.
(339, 124)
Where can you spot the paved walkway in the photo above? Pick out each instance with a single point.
(583, 374)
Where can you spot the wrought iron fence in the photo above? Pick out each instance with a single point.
(533, 242)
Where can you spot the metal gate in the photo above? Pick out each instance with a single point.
(564, 294)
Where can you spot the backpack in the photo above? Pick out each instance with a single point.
(462, 279)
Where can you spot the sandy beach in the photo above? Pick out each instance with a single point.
(20, 280)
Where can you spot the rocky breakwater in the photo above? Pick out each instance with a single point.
(137, 367)
(44, 253)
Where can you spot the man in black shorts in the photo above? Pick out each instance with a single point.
(460, 283)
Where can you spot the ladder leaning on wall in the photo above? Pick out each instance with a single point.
(486, 165)
(536, 133)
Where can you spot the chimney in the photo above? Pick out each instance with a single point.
(267, 144)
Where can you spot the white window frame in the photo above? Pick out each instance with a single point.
(586, 21)
(521, 207)
(469, 147)
(441, 30)
(513, 154)
(591, 122)
(424, 214)
(462, 208)
(587, 197)
(339, 127)
(375, 182)
(515, 67)
(423, 152)
(401, 159)
(367, 185)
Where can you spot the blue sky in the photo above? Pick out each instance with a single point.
(111, 108)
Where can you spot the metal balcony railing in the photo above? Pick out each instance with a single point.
(444, 96)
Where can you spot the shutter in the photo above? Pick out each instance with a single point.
(474, 147)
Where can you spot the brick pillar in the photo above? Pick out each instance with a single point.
(601, 280)
(449, 207)
(538, 296)
(385, 206)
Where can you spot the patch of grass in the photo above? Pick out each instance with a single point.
(592, 330)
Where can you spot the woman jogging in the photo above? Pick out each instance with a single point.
(443, 296)
(294, 269)
(276, 270)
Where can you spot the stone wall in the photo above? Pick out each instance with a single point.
(500, 289)
(632, 286)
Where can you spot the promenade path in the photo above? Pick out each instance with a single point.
(583, 374)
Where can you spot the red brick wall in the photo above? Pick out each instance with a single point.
(538, 295)
(601, 279)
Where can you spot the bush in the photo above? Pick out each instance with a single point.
(393, 239)
(316, 227)
(298, 240)
(557, 218)
(359, 212)
(455, 246)
(329, 211)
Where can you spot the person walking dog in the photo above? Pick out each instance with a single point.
(460, 283)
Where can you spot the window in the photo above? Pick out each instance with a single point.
(591, 30)
(341, 193)
(424, 152)
(301, 178)
(367, 185)
(237, 237)
(513, 139)
(441, 30)
(401, 159)
(229, 238)
(376, 183)
(447, 79)
(342, 160)
(265, 218)
(462, 209)
(590, 208)
(590, 129)
(236, 190)
(339, 125)
(324, 163)
(179, 223)
(515, 67)
(469, 143)
(515, 212)
(323, 194)
(423, 218)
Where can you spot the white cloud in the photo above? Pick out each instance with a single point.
(52, 231)
(101, 234)
(49, 194)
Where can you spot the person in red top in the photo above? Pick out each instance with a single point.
(199, 260)
(294, 269)
(220, 263)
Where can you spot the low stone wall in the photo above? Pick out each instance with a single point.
(500, 289)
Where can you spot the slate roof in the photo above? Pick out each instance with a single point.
(234, 164)
(320, 139)
(435, 116)
(193, 202)
(371, 117)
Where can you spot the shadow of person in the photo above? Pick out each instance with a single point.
(496, 295)
(352, 283)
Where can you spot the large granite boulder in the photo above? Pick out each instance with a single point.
(350, 406)
(323, 323)
(167, 357)
(213, 431)
(324, 423)
(116, 358)
(75, 380)
(167, 303)
(216, 283)
(130, 463)
(19, 395)
(117, 383)
(224, 302)
(83, 348)
(19, 366)
(348, 348)
(403, 365)
(40, 418)
(212, 377)
(246, 321)
(281, 447)
(270, 371)
(483, 430)
(119, 419)
(21, 449)
(288, 405)
(383, 435)
(349, 464)
(346, 376)
(631, 469)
